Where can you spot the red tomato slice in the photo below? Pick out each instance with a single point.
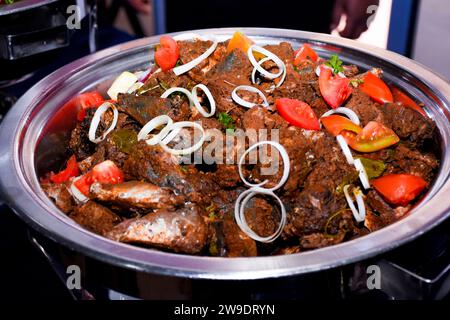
(83, 184)
(104, 172)
(335, 124)
(239, 41)
(305, 52)
(107, 172)
(297, 113)
(376, 88)
(168, 53)
(399, 189)
(335, 90)
(70, 171)
(373, 137)
(84, 101)
(401, 97)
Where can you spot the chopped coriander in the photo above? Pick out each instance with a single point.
(227, 122)
(335, 63)
(179, 63)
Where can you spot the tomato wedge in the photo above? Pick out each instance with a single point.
(104, 172)
(107, 172)
(334, 89)
(167, 54)
(376, 88)
(70, 171)
(336, 124)
(373, 137)
(399, 189)
(304, 53)
(297, 113)
(401, 97)
(239, 41)
(84, 101)
(83, 184)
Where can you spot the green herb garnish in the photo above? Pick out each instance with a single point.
(227, 122)
(125, 140)
(374, 168)
(335, 63)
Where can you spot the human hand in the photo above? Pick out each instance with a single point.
(357, 15)
(141, 6)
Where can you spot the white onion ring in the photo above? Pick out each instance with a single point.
(351, 115)
(168, 92)
(135, 87)
(260, 62)
(360, 213)
(192, 149)
(362, 174)
(191, 64)
(197, 104)
(78, 196)
(280, 64)
(153, 124)
(345, 149)
(286, 164)
(122, 84)
(247, 104)
(239, 214)
(96, 121)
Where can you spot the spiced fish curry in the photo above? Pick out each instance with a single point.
(347, 154)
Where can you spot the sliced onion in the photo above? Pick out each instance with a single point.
(362, 174)
(197, 104)
(286, 165)
(260, 62)
(192, 149)
(239, 214)
(152, 125)
(135, 87)
(78, 196)
(168, 92)
(345, 149)
(169, 134)
(351, 115)
(280, 64)
(247, 104)
(360, 213)
(96, 121)
(122, 84)
(191, 64)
